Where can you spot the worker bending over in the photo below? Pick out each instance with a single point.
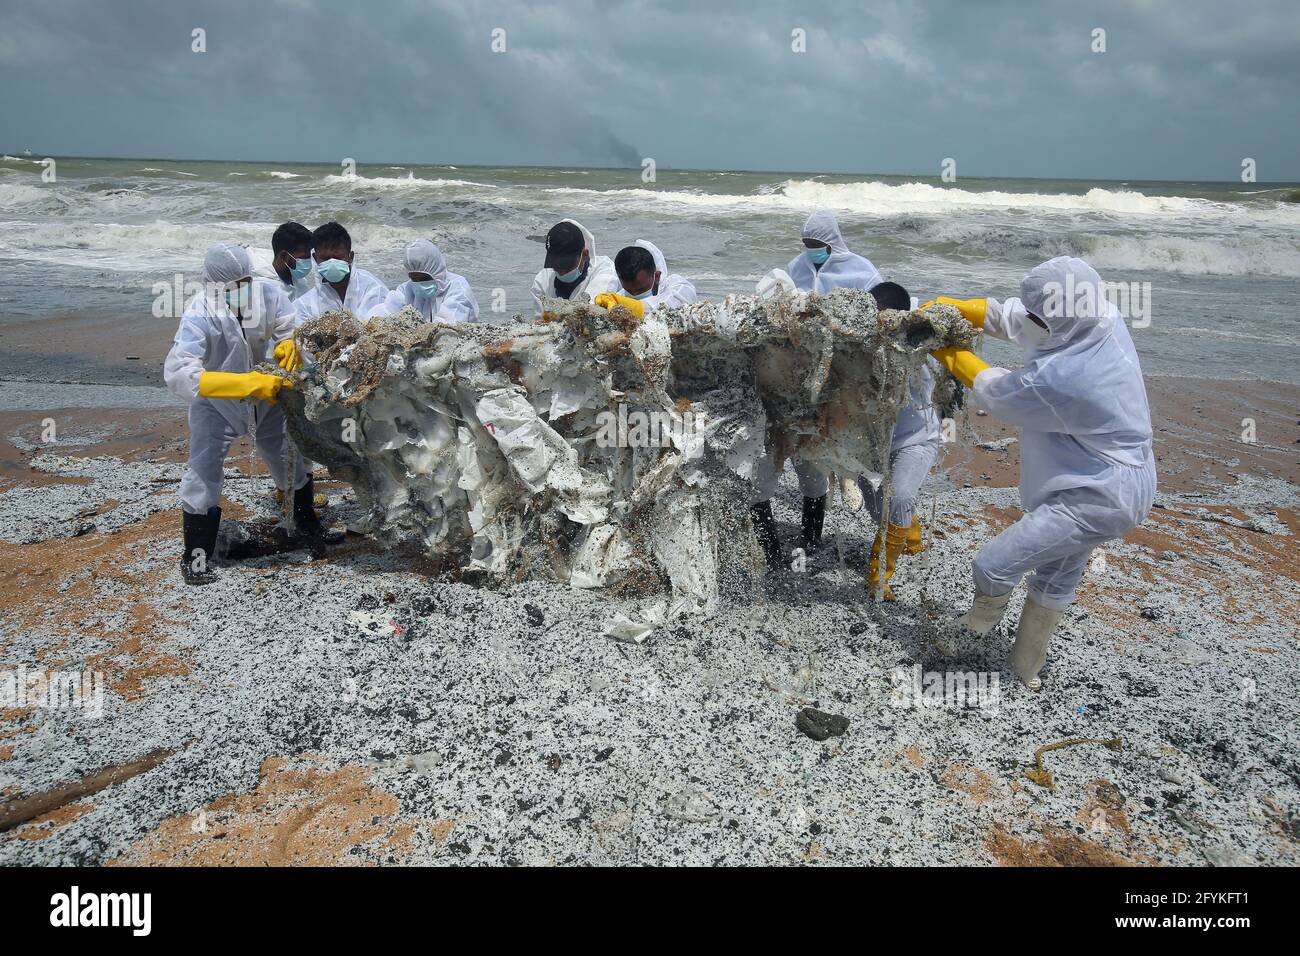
(235, 323)
(438, 295)
(643, 274)
(1087, 468)
(572, 267)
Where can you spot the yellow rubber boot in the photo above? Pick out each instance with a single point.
(895, 539)
(915, 544)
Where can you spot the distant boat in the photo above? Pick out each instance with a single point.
(27, 154)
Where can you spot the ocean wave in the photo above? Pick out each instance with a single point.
(280, 174)
(399, 182)
(885, 199)
(167, 172)
(1136, 252)
(147, 247)
(1214, 257)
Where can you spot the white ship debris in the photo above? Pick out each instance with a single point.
(597, 448)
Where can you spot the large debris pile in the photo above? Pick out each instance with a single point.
(597, 448)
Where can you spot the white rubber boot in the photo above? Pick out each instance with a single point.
(1029, 653)
(984, 613)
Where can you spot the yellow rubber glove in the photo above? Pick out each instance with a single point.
(238, 385)
(963, 364)
(972, 310)
(286, 356)
(607, 300)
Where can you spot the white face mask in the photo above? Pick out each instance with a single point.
(1031, 334)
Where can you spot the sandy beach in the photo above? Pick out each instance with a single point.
(362, 709)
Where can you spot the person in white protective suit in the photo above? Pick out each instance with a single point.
(288, 261)
(438, 295)
(572, 267)
(1087, 467)
(914, 445)
(339, 283)
(237, 322)
(825, 264)
(643, 274)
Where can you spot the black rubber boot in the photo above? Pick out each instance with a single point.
(305, 520)
(814, 516)
(200, 535)
(765, 528)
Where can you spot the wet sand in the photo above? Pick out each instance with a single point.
(356, 710)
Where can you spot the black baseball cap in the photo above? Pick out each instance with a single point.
(563, 243)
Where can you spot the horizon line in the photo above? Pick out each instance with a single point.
(677, 169)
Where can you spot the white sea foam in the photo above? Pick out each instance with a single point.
(1219, 257)
(401, 182)
(885, 200)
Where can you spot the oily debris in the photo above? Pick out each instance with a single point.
(601, 449)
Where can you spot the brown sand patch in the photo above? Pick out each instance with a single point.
(1104, 808)
(44, 827)
(30, 577)
(131, 434)
(1058, 847)
(301, 814)
(972, 781)
(999, 519)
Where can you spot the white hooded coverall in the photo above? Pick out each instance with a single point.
(212, 338)
(365, 297)
(674, 290)
(1087, 467)
(600, 277)
(455, 300)
(843, 270)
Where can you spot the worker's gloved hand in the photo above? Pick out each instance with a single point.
(964, 365)
(972, 310)
(239, 385)
(607, 300)
(286, 356)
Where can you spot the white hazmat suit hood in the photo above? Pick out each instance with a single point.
(843, 270)
(674, 290)
(455, 300)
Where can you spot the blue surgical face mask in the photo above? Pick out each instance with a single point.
(818, 256)
(644, 295)
(425, 290)
(333, 270)
(573, 276)
(301, 268)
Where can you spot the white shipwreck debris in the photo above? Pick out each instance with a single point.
(597, 448)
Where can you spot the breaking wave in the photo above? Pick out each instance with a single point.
(400, 182)
(1214, 257)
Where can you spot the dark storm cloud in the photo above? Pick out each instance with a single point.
(1185, 89)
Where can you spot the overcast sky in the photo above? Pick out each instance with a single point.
(1185, 90)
